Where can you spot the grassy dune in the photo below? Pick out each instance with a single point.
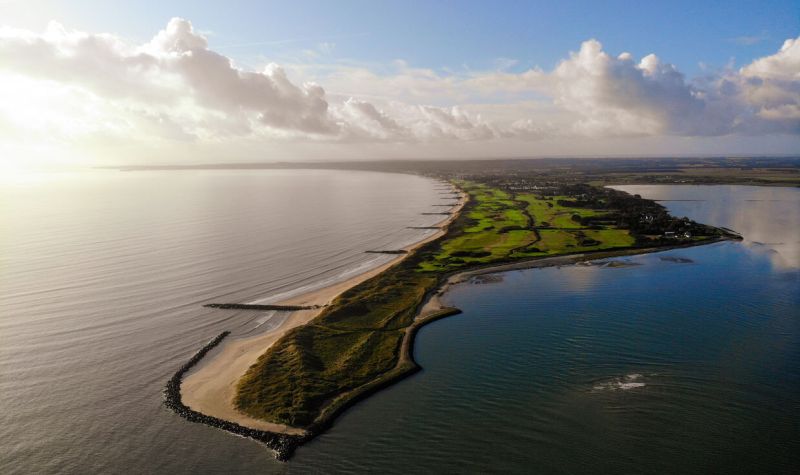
(357, 339)
(354, 341)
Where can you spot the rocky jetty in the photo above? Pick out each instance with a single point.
(247, 306)
(390, 251)
(284, 445)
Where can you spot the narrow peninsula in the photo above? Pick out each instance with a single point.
(363, 340)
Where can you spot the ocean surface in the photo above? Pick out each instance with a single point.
(102, 279)
(685, 361)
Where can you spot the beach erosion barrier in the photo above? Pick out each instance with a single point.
(283, 445)
(252, 306)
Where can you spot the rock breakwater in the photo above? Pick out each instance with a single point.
(284, 445)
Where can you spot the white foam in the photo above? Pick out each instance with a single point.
(264, 319)
(322, 283)
(624, 386)
(629, 381)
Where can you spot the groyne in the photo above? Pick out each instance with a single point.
(248, 306)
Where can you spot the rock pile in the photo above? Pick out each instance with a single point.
(283, 444)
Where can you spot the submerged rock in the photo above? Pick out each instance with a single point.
(676, 260)
(486, 279)
(614, 264)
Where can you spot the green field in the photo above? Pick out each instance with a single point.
(357, 339)
(499, 227)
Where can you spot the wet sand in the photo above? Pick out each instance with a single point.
(211, 388)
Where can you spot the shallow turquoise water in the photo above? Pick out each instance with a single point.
(662, 367)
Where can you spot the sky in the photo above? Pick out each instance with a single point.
(111, 82)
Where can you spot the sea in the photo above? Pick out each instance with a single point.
(682, 361)
(103, 277)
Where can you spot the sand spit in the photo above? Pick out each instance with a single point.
(210, 389)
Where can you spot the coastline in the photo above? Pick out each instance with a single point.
(210, 389)
(432, 309)
(434, 304)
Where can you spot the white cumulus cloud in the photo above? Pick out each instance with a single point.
(64, 86)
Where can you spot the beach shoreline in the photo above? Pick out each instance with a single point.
(211, 388)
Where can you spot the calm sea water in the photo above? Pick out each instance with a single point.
(688, 362)
(102, 278)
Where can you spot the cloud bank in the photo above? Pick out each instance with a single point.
(67, 86)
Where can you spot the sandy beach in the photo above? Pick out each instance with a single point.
(212, 387)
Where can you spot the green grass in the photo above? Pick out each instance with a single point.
(611, 238)
(547, 212)
(354, 341)
(556, 241)
(357, 339)
(500, 227)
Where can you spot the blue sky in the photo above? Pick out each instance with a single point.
(448, 34)
(372, 79)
